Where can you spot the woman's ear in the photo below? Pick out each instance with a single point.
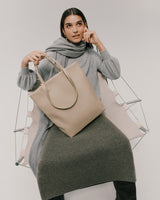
(86, 25)
(63, 32)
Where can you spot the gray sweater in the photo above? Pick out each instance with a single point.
(90, 61)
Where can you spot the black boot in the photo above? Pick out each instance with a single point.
(125, 190)
(61, 197)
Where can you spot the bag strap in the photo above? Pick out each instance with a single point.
(66, 75)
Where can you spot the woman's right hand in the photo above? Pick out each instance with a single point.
(34, 56)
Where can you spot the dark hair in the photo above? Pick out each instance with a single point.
(73, 11)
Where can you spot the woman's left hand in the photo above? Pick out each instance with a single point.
(90, 36)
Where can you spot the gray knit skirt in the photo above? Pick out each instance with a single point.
(97, 154)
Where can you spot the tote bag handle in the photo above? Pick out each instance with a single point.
(66, 75)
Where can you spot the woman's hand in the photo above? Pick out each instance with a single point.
(34, 56)
(91, 37)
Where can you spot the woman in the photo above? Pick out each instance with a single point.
(98, 154)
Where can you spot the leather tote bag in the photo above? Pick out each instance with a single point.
(68, 99)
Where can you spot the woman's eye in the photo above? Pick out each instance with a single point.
(69, 25)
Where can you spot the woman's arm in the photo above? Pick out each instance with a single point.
(28, 79)
(109, 66)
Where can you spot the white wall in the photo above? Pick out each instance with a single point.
(130, 31)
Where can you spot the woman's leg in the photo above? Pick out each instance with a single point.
(61, 197)
(125, 190)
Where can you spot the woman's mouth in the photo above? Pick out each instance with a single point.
(76, 36)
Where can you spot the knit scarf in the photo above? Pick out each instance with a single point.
(67, 48)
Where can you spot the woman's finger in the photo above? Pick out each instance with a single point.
(31, 59)
(43, 53)
(88, 37)
(34, 57)
(39, 54)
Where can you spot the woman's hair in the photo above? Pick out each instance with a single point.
(73, 11)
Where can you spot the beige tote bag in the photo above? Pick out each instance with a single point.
(68, 98)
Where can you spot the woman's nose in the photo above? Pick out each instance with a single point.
(74, 29)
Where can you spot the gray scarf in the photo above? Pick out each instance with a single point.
(67, 48)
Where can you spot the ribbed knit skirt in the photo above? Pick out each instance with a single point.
(97, 154)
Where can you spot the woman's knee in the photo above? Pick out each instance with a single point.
(125, 141)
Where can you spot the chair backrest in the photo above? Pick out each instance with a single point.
(117, 113)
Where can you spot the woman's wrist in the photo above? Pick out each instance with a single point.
(100, 45)
(24, 65)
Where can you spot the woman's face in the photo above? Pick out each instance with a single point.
(74, 28)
